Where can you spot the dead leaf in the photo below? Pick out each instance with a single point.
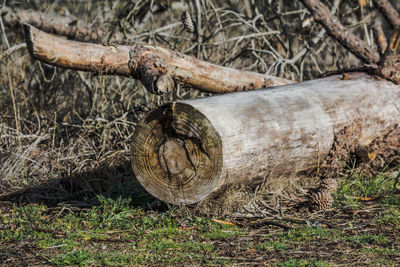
(223, 222)
(346, 77)
(365, 198)
(372, 155)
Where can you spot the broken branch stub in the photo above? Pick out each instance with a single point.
(159, 69)
(184, 151)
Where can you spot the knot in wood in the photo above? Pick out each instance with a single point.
(174, 158)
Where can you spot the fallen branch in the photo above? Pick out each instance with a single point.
(389, 12)
(334, 28)
(68, 26)
(386, 63)
(159, 69)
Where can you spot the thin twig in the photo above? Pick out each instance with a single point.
(11, 88)
(3, 30)
(12, 49)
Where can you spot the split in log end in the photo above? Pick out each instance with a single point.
(177, 154)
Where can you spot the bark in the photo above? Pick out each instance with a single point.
(344, 36)
(389, 12)
(68, 26)
(186, 150)
(159, 69)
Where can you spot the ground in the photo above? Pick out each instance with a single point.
(362, 228)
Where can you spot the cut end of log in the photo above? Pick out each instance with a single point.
(177, 154)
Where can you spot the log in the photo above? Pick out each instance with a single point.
(187, 150)
(159, 69)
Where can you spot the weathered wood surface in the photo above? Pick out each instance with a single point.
(184, 151)
(159, 69)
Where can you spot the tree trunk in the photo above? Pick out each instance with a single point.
(186, 150)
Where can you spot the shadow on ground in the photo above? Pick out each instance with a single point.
(84, 189)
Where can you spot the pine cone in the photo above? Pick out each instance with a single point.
(329, 185)
(321, 200)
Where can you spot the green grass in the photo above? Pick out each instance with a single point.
(389, 217)
(359, 185)
(302, 263)
(307, 234)
(386, 251)
(275, 246)
(81, 238)
(366, 240)
(75, 257)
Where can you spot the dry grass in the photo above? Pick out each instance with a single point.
(241, 199)
(69, 131)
